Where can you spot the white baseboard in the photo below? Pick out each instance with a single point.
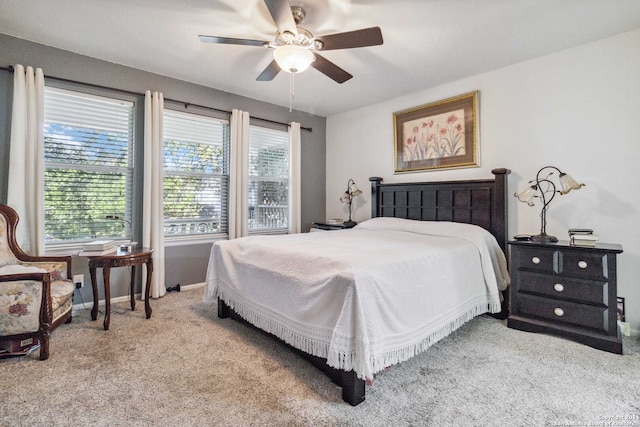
(125, 298)
(193, 286)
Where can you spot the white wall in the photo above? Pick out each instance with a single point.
(577, 109)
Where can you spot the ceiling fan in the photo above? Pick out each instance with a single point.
(295, 49)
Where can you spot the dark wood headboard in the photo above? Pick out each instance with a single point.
(478, 202)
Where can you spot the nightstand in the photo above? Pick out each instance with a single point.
(325, 226)
(569, 291)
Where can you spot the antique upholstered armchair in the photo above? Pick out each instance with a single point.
(35, 292)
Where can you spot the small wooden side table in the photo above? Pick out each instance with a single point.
(119, 258)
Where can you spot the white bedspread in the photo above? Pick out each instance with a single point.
(364, 298)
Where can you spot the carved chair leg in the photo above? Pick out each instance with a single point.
(44, 345)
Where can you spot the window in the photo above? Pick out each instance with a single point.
(196, 174)
(268, 180)
(88, 152)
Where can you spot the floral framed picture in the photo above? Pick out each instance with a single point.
(439, 135)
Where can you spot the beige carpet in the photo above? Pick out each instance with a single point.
(186, 367)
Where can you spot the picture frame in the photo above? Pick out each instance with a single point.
(439, 135)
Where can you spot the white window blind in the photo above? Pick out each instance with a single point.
(196, 174)
(268, 180)
(88, 149)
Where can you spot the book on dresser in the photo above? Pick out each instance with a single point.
(584, 240)
(582, 237)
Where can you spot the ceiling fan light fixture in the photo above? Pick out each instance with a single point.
(293, 58)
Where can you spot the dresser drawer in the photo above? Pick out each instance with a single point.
(560, 287)
(539, 259)
(559, 311)
(583, 264)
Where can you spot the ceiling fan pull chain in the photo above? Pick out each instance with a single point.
(292, 92)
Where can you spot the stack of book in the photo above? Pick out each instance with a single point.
(98, 247)
(582, 237)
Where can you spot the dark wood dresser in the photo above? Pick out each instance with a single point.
(569, 291)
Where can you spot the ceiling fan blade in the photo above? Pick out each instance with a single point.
(350, 39)
(330, 69)
(229, 40)
(281, 13)
(269, 73)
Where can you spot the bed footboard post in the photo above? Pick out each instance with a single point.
(353, 388)
(499, 215)
(375, 182)
(223, 309)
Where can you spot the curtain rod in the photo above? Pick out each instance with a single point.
(10, 70)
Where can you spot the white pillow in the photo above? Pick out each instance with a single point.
(436, 228)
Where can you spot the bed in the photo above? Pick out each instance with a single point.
(355, 302)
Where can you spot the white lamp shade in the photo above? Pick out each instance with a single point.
(567, 184)
(293, 58)
(527, 195)
(355, 191)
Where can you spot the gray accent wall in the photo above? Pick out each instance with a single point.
(185, 264)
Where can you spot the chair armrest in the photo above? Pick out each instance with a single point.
(38, 277)
(60, 264)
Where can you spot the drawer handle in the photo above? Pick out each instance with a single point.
(535, 260)
(558, 287)
(582, 264)
(558, 312)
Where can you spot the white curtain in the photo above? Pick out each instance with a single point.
(294, 177)
(153, 214)
(26, 158)
(239, 179)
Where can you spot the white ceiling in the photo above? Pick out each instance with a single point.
(426, 42)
